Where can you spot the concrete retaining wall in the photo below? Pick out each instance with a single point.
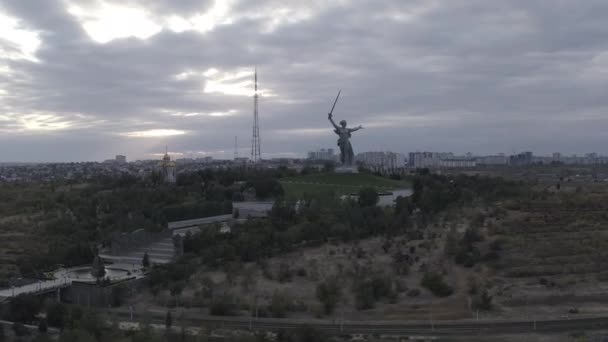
(127, 242)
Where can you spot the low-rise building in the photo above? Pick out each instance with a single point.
(121, 159)
(492, 160)
(382, 160)
(322, 154)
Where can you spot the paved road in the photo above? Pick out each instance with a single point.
(63, 278)
(451, 328)
(38, 287)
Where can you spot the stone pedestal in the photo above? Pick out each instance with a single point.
(346, 169)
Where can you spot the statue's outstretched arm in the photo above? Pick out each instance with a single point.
(356, 128)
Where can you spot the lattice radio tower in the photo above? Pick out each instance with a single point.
(255, 141)
(236, 148)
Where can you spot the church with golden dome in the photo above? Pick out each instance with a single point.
(168, 168)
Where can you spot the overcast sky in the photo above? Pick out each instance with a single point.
(88, 79)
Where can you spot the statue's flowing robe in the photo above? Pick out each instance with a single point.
(346, 149)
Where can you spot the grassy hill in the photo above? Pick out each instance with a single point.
(338, 183)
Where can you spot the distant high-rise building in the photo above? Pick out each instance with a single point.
(322, 154)
(557, 157)
(521, 159)
(121, 159)
(419, 160)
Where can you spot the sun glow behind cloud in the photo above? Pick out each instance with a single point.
(238, 82)
(153, 133)
(39, 122)
(216, 114)
(218, 14)
(106, 22)
(22, 44)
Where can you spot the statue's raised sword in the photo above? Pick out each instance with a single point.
(336, 101)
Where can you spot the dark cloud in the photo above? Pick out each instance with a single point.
(469, 75)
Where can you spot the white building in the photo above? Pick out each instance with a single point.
(382, 160)
(493, 160)
(457, 163)
(420, 160)
(322, 154)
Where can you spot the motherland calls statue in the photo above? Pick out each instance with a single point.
(347, 156)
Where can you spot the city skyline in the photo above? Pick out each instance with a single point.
(85, 80)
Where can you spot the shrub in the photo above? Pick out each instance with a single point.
(329, 293)
(19, 329)
(279, 304)
(484, 302)
(435, 283)
(285, 273)
(301, 272)
(24, 308)
(368, 291)
(43, 327)
(368, 197)
(413, 293)
(223, 306)
(364, 295)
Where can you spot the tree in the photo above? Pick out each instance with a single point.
(484, 302)
(279, 304)
(98, 269)
(92, 323)
(77, 336)
(145, 262)
(43, 326)
(55, 315)
(168, 320)
(176, 290)
(329, 293)
(24, 308)
(364, 295)
(368, 197)
(329, 166)
(19, 329)
(302, 334)
(222, 305)
(266, 188)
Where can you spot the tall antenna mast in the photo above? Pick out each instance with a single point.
(255, 142)
(236, 150)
